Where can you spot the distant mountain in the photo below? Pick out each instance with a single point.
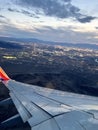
(10, 45)
(24, 40)
(34, 40)
(81, 45)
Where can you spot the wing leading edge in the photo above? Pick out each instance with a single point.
(45, 108)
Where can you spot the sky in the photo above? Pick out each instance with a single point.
(72, 21)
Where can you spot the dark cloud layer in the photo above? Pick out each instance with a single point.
(56, 8)
(86, 19)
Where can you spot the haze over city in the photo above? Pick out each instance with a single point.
(72, 21)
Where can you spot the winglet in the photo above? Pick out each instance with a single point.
(3, 75)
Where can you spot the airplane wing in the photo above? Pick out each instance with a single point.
(49, 109)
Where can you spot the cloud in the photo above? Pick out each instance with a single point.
(61, 34)
(86, 19)
(3, 19)
(13, 31)
(56, 8)
(96, 27)
(1, 16)
(25, 12)
(65, 34)
(13, 10)
(66, 0)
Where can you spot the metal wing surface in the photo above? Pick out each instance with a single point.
(49, 109)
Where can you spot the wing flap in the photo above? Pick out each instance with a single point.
(52, 107)
(47, 125)
(25, 115)
(77, 120)
(37, 114)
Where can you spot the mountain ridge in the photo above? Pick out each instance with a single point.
(38, 41)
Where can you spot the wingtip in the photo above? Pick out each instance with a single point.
(3, 75)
